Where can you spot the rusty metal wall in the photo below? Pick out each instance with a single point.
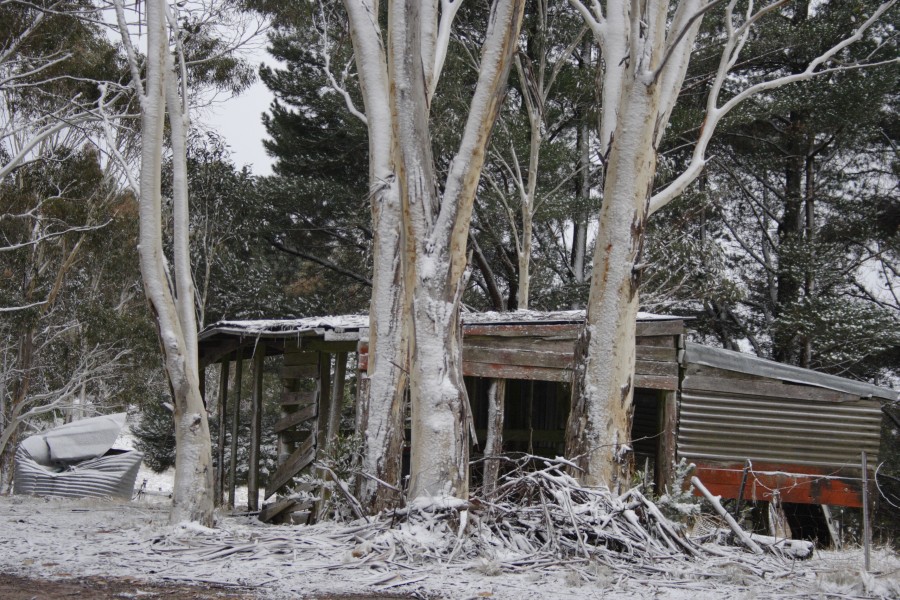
(729, 426)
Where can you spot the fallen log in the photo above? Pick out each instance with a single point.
(740, 533)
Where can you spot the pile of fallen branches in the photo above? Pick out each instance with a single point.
(540, 515)
(537, 518)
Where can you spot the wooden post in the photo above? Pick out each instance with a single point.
(740, 498)
(867, 534)
(324, 389)
(235, 423)
(665, 450)
(493, 445)
(322, 439)
(337, 400)
(256, 428)
(220, 450)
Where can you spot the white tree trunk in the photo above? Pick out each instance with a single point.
(646, 55)
(599, 427)
(192, 498)
(599, 424)
(436, 229)
(381, 409)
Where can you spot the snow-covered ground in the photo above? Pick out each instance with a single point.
(64, 538)
(157, 487)
(61, 538)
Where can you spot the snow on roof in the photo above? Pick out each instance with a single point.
(747, 363)
(537, 316)
(350, 323)
(281, 327)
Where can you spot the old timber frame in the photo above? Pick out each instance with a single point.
(799, 430)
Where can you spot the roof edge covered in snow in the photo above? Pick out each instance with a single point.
(269, 328)
(747, 363)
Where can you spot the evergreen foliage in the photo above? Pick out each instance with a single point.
(786, 245)
(155, 435)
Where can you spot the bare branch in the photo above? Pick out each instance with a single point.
(714, 113)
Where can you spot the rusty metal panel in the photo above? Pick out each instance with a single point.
(732, 427)
(816, 485)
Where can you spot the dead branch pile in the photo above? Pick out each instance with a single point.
(538, 519)
(548, 513)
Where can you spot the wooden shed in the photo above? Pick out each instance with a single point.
(801, 431)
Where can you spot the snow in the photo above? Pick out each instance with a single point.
(59, 538)
(349, 323)
(156, 488)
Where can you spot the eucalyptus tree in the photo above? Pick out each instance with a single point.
(420, 234)
(796, 201)
(182, 49)
(646, 50)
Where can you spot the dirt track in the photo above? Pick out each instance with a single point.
(13, 587)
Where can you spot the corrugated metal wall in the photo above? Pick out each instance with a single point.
(112, 475)
(729, 426)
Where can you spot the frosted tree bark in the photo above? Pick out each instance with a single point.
(636, 95)
(192, 495)
(381, 410)
(646, 53)
(436, 229)
(598, 432)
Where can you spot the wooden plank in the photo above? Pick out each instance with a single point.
(256, 429)
(297, 398)
(654, 328)
(495, 371)
(337, 400)
(299, 371)
(531, 358)
(235, 425)
(655, 382)
(330, 346)
(557, 331)
(652, 367)
(305, 413)
(271, 511)
(323, 385)
(705, 371)
(659, 341)
(299, 460)
(761, 388)
(304, 371)
(219, 491)
(659, 353)
(528, 344)
(665, 454)
(561, 347)
(295, 436)
(301, 358)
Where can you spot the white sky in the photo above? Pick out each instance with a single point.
(239, 121)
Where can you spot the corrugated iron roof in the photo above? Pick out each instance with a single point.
(753, 365)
